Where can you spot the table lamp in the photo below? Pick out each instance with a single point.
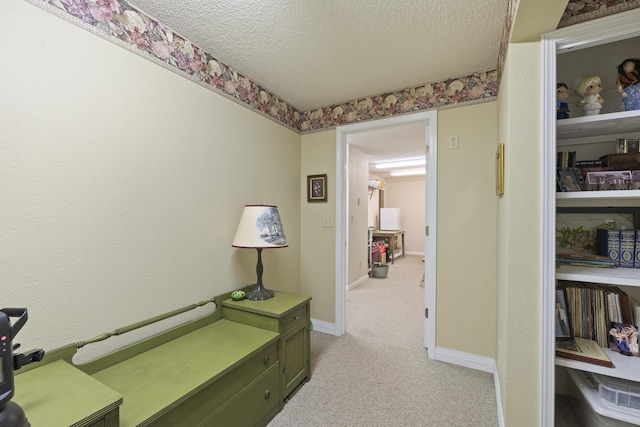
(260, 228)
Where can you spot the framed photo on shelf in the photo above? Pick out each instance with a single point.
(317, 188)
(576, 226)
(570, 179)
(564, 331)
(609, 177)
(622, 147)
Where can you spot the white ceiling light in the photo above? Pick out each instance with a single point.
(409, 172)
(401, 163)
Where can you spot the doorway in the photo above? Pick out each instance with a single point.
(429, 121)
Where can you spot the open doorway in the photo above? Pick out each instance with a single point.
(348, 134)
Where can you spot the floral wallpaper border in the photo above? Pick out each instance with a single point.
(585, 10)
(123, 24)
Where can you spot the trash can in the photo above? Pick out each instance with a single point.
(380, 270)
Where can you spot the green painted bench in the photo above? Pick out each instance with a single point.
(204, 373)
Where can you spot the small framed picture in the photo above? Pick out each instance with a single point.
(609, 177)
(317, 188)
(570, 179)
(563, 320)
(633, 145)
(622, 147)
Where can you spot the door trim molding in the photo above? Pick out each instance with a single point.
(341, 225)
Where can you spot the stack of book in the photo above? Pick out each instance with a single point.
(593, 307)
(588, 260)
(622, 246)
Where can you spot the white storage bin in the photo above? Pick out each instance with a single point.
(591, 409)
(618, 391)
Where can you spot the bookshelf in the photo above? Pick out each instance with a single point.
(566, 54)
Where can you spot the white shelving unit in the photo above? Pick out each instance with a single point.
(601, 125)
(586, 133)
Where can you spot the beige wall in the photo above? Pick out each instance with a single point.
(466, 252)
(317, 245)
(519, 239)
(518, 326)
(358, 212)
(122, 184)
(409, 194)
(466, 230)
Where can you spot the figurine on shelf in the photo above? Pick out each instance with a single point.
(562, 108)
(629, 83)
(589, 89)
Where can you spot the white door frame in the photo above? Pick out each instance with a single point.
(342, 165)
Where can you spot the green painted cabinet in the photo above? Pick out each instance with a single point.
(289, 315)
(59, 395)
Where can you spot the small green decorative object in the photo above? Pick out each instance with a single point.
(237, 295)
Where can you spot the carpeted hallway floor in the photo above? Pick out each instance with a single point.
(378, 373)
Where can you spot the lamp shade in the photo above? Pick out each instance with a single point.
(260, 227)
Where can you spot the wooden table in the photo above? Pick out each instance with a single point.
(390, 237)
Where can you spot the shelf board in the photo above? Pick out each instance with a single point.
(601, 124)
(598, 195)
(607, 276)
(625, 367)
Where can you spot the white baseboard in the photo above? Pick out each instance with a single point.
(468, 360)
(357, 282)
(473, 361)
(324, 327)
(414, 253)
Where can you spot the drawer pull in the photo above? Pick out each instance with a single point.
(266, 359)
(297, 317)
(284, 368)
(267, 394)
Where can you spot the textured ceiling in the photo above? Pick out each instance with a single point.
(314, 53)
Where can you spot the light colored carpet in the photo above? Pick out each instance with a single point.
(378, 373)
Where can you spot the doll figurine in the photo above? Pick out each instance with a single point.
(589, 89)
(629, 83)
(562, 108)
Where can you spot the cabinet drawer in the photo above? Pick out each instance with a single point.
(254, 406)
(295, 319)
(200, 404)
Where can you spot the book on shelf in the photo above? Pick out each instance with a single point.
(589, 163)
(608, 244)
(627, 253)
(593, 307)
(590, 260)
(566, 159)
(583, 350)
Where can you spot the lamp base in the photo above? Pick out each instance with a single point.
(259, 294)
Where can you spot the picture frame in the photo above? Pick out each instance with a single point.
(633, 145)
(500, 170)
(570, 179)
(609, 177)
(621, 146)
(317, 188)
(564, 330)
(576, 226)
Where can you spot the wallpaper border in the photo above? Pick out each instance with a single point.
(123, 24)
